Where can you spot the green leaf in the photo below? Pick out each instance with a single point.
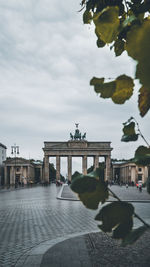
(119, 47)
(129, 138)
(133, 236)
(129, 132)
(91, 189)
(115, 215)
(106, 90)
(129, 129)
(107, 24)
(124, 89)
(100, 43)
(142, 156)
(81, 184)
(119, 90)
(144, 101)
(92, 199)
(123, 229)
(148, 184)
(96, 81)
(75, 175)
(87, 17)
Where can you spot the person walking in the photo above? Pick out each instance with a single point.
(140, 188)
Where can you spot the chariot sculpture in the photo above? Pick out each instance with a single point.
(77, 136)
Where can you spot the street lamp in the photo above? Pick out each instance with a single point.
(14, 151)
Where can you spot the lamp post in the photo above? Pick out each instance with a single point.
(14, 151)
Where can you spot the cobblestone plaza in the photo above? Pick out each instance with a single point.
(31, 216)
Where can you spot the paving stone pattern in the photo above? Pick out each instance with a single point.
(107, 252)
(68, 193)
(72, 252)
(31, 216)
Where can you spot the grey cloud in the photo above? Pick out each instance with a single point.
(47, 58)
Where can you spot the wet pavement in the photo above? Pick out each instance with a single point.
(31, 216)
(32, 220)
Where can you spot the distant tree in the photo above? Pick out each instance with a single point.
(52, 172)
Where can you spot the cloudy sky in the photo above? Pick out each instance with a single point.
(47, 58)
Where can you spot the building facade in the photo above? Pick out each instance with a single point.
(3, 150)
(128, 172)
(19, 171)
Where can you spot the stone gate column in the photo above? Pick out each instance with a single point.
(84, 165)
(21, 176)
(46, 169)
(108, 168)
(69, 167)
(96, 162)
(5, 175)
(41, 174)
(12, 175)
(57, 168)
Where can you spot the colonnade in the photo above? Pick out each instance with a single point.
(69, 166)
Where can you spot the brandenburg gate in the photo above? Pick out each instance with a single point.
(77, 146)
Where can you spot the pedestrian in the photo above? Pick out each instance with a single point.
(126, 185)
(140, 188)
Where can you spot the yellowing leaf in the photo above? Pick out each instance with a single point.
(96, 81)
(107, 24)
(124, 89)
(106, 90)
(144, 101)
(138, 47)
(133, 40)
(119, 47)
(142, 71)
(119, 90)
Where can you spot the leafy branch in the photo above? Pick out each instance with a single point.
(124, 26)
(116, 217)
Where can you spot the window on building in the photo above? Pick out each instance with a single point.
(140, 169)
(139, 177)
